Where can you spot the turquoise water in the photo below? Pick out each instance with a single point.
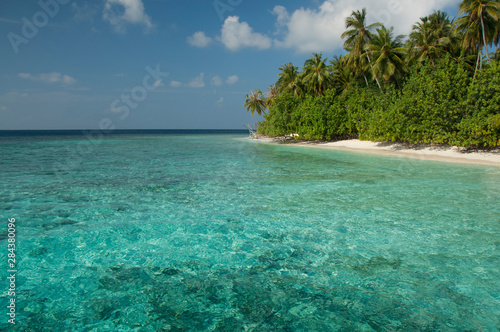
(219, 233)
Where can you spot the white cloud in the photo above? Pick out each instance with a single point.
(236, 35)
(158, 84)
(121, 12)
(49, 78)
(84, 11)
(175, 84)
(314, 30)
(232, 79)
(198, 81)
(199, 39)
(216, 80)
(282, 17)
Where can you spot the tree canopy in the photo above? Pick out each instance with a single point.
(415, 88)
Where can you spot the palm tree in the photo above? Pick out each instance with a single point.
(289, 80)
(358, 35)
(444, 30)
(387, 53)
(422, 44)
(430, 38)
(255, 102)
(441, 23)
(480, 23)
(496, 39)
(449, 38)
(315, 75)
(343, 75)
(272, 93)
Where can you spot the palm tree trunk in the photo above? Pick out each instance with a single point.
(484, 40)
(366, 80)
(378, 83)
(481, 59)
(376, 79)
(475, 71)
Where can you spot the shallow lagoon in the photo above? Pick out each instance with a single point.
(216, 232)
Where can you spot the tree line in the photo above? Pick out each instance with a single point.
(439, 85)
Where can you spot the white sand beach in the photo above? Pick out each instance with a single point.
(437, 153)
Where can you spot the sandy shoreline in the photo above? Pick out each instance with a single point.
(437, 153)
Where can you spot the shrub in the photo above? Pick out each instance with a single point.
(480, 126)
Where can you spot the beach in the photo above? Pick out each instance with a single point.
(424, 152)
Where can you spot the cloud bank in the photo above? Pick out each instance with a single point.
(236, 35)
(49, 78)
(198, 81)
(199, 39)
(232, 79)
(310, 30)
(122, 12)
(216, 80)
(319, 29)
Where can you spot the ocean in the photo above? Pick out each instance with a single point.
(211, 231)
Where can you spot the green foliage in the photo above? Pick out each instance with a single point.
(255, 102)
(480, 126)
(278, 121)
(425, 94)
(387, 53)
(428, 108)
(435, 106)
(322, 117)
(315, 76)
(371, 111)
(314, 117)
(431, 38)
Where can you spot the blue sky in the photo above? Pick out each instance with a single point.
(164, 64)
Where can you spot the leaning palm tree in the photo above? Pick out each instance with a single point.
(289, 80)
(315, 76)
(358, 35)
(480, 23)
(387, 53)
(255, 102)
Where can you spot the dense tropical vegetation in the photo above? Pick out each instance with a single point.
(439, 85)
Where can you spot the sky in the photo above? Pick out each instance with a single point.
(164, 64)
